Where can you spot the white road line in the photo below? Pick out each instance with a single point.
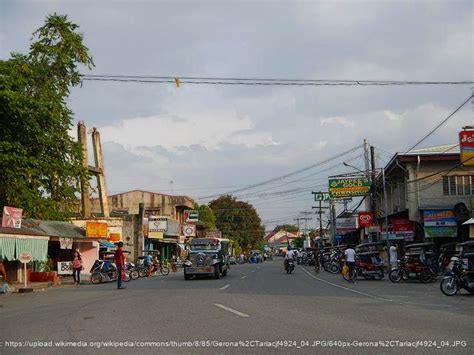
(231, 310)
(347, 288)
(224, 287)
(243, 277)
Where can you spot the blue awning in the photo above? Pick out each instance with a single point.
(106, 244)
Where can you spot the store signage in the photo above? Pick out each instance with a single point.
(115, 237)
(466, 144)
(96, 229)
(349, 223)
(11, 217)
(65, 243)
(349, 187)
(365, 219)
(157, 224)
(64, 268)
(321, 196)
(191, 216)
(155, 235)
(25, 257)
(189, 230)
(439, 223)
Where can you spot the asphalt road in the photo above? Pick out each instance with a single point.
(260, 305)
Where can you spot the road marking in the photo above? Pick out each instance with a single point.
(346, 288)
(243, 277)
(231, 310)
(224, 287)
(253, 270)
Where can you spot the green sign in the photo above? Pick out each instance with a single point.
(321, 196)
(349, 187)
(191, 216)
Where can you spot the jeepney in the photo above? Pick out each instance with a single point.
(207, 257)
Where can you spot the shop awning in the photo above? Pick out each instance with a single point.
(11, 247)
(106, 244)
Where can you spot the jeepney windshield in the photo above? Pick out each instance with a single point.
(207, 246)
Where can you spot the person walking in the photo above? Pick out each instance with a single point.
(393, 254)
(119, 260)
(76, 265)
(350, 261)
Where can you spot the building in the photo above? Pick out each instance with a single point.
(429, 195)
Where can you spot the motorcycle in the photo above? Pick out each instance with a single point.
(412, 270)
(457, 277)
(289, 266)
(131, 271)
(106, 271)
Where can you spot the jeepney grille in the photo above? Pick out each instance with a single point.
(200, 259)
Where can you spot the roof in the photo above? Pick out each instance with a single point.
(437, 149)
(149, 192)
(21, 231)
(55, 228)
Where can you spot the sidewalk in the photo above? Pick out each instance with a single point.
(43, 286)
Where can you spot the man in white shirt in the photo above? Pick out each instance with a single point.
(393, 253)
(350, 261)
(290, 255)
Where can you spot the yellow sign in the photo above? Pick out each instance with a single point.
(114, 237)
(155, 235)
(96, 229)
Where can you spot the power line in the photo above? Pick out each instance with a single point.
(440, 124)
(151, 79)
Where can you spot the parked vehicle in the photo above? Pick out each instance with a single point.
(414, 266)
(106, 271)
(334, 264)
(460, 273)
(232, 260)
(289, 266)
(207, 257)
(368, 265)
(131, 270)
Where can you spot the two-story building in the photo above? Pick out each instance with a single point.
(429, 195)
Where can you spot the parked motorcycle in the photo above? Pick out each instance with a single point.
(368, 265)
(106, 271)
(412, 270)
(457, 278)
(131, 271)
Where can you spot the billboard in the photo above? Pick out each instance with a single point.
(11, 217)
(466, 144)
(96, 229)
(439, 223)
(157, 224)
(365, 219)
(346, 224)
(349, 187)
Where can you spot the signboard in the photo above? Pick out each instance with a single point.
(365, 219)
(11, 217)
(439, 223)
(189, 230)
(466, 144)
(321, 196)
(349, 223)
(25, 257)
(338, 238)
(64, 268)
(115, 237)
(155, 235)
(191, 216)
(96, 229)
(65, 243)
(157, 224)
(213, 234)
(349, 187)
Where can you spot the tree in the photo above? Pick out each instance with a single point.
(40, 164)
(298, 242)
(206, 216)
(238, 221)
(286, 227)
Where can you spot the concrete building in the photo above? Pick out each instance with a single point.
(157, 204)
(429, 195)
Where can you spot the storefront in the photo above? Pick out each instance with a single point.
(13, 242)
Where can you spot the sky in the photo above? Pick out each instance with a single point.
(204, 140)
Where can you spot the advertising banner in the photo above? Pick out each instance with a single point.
(439, 223)
(349, 187)
(365, 219)
(64, 268)
(157, 224)
(347, 224)
(11, 217)
(96, 229)
(466, 144)
(65, 243)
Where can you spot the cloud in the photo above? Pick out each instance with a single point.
(337, 120)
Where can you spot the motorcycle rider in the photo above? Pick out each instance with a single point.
(290, 255)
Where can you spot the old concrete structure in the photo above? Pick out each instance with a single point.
(154, 204)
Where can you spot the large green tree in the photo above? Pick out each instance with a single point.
(238, 221)
(285, 227)
(206, 216)
(40, 164)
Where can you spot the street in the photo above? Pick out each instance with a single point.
(255, 302)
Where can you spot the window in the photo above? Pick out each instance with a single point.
(458, 185)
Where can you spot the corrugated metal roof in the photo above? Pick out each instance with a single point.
(438, 149)
(55, 228)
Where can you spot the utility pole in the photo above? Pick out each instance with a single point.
(373, 184)
(320, 209)
(367, 168)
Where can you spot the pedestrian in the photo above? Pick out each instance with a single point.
(119, 260)
(350, 261)
(76, 265)
(393, 255)
(173, 263)
(3, 272)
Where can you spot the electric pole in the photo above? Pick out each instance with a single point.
(367, 169)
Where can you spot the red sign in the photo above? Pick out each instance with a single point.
(402, 225)
(12, 217)
(365, 219)
(466, 143)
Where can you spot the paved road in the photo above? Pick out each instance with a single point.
(254, 302)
